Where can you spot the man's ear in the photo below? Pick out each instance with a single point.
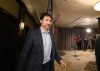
(40, 21)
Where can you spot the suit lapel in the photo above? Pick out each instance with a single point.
(40, 39)
(52, 41)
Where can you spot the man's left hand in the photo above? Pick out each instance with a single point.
(63, 64)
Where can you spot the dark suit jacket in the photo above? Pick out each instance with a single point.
(32, 55)
(97, 52)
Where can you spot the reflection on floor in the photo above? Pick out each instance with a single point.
(75, 60)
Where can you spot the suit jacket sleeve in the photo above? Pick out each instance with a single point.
(24, 53)
(57, 57)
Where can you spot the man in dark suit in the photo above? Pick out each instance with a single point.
(39, 50)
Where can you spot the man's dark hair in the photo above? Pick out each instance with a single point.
(45, 14)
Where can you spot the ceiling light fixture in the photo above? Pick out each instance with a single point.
(88, 30)
(97, 6)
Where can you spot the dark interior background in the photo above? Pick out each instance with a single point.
(8, 41)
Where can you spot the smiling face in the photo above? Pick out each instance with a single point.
(46, 23)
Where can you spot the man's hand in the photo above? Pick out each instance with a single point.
(63, 64)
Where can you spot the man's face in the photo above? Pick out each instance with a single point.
(46, 22)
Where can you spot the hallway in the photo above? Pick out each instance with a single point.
(78, 62)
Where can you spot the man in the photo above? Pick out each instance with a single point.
(39, 49)
(78, 42)
(85, 43)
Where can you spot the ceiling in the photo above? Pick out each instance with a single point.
(67, 13)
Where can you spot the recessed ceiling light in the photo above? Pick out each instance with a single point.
(97, 6)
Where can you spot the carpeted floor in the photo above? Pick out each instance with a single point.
(75, 60)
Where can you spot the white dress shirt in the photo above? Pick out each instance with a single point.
(47, 44)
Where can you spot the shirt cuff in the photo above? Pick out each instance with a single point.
(60, 61)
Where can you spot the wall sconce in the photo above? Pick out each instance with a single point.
(97, 6)
(21, 25)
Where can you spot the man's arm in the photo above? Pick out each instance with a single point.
(57, 57)
(60, 60)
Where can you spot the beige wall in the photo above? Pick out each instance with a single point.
(11, 6)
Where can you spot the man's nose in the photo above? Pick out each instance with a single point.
(49, 22)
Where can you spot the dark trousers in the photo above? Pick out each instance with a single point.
(46, 67)
(85, 46)
(78, 45)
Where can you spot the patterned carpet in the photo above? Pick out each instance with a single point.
(91, 66)
(81, 61)
(61, 53)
